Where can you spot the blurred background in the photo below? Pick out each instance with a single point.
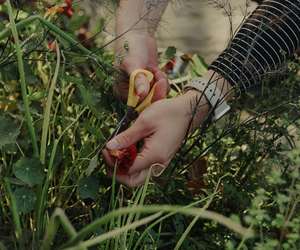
(202, 26)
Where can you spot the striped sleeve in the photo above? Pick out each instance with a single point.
(263, 44)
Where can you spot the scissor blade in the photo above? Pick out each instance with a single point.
(124, 123)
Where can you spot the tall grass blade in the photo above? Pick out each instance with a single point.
(189, 228)
(42, 201)
(21, 70)
(141, 202)
(14, 210)
(116, 232)
(204, 214)
(57, 218)
(47, 112)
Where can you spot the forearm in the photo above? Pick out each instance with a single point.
(268, 38)
(139, 16)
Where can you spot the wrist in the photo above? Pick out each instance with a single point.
(210, 90)
(196, 107)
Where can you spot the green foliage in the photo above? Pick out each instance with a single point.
(9, 131)
(30, 171)
(170, 53)
(245, 168)
(25, 199)
(88, 187)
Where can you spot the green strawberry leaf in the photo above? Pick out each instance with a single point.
(170, 52)
(25, 199)
(29, 171)
(92, 165)
(88, 187)
(9, 131)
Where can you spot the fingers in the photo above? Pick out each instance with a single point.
(133, 134)
(152, 154)
(130, 180)
(142, 85)
(134, 180)
(162, 84)
(161, 90)
(107, 157)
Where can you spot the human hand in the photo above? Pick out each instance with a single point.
(162, 127)
(140, 54)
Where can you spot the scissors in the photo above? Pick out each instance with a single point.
(125, 157)
(135, 106)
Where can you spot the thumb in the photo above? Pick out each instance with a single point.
(142, 85)
(130, 136)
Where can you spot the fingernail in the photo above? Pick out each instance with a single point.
(112, 144)
(140, 89)
(157, 170)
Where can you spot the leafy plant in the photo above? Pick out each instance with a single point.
(234, 187)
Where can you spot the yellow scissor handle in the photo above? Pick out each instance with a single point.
(133, 98)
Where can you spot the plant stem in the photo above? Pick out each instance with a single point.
(43, 194)
(112, 234)
(7, 31)
(58, 217)
(14, 210)
(47, 112)
(204, 214)
(21, 69)
(59, 33)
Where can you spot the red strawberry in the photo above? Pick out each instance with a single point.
(125, 158)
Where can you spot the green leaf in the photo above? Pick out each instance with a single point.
(199, 66)
(77, 22)
(9, 131)
(25, 199)
(29, 171)
(90, 97)
(2, 247)
(31, 78)
(92, 165)
(88, 187)
(10, 73)
(170, 52)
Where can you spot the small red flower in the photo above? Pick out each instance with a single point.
(68, 9)
(169, 66)
(52, 46)
(125, 158)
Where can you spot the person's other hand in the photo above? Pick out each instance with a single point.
(162, 127)
(140, 54)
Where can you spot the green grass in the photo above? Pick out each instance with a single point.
(57, 112)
